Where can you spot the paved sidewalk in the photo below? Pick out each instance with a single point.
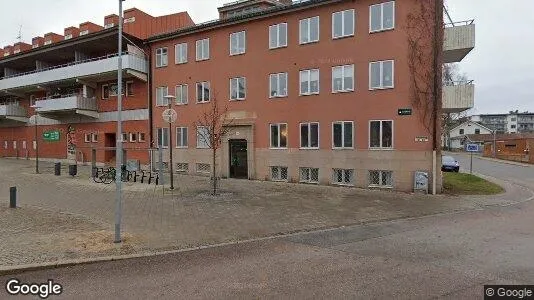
(155, 219)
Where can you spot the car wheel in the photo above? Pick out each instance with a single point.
(457, 170)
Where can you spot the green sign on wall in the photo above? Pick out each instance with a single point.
(51, 136)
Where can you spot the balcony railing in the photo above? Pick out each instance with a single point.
(458, 96)
(459, 40)
(73, 70)
(71, 102)
(12, 110)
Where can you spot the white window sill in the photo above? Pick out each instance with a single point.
(278, 148)
(309, 148)
(203, 59)
(343, 91)
(381, 30)
(308, 43)
(203, 102)
(343, 184)
(342, 37)
(381, 149)
(309, 94)
(381, 88)
(182, 147)
(385, 187)
(237, 54)
(181, 63)
(277, 47)
(342, 148)
(238, 99)
(277, 97)
(181, 104)
(159, 67)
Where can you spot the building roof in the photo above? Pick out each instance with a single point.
(475, 123)
(498, 137)
(275, 10)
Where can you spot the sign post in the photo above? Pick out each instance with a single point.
(472, 148)
(169, 116)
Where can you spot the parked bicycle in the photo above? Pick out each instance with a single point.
(108, 176)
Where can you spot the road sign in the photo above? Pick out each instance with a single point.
(169, 115)
(405, 112)
(472, 148)
(51, 136)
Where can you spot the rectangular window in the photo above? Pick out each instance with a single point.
(309, 135)
(163, 137)
(133, 137)
(278, 85)
(105, 91)
(203, 92)
(124, 137)
(461, 131)
(94, 137)
(279, 173)
(382, 179)
(84, 32)
(141, 137)
(381, 134)
(68, 36)
(203, 168)
(203, 49)
(343, 79)
(477, 131)
(129, 88)
(343, 24)
(162, 59)
(182, 94)
(343, 135)
(161, 92)
(203, 138)
(309, 82)
(181, 137)
(343, 177)
(238, 88)
(182, 167)
(309, 175)
(237, 43)
(180, 53)
(382, 16)
(381, 74)
(278, 136)
(278, 36)
(309, 30)
(87, 137)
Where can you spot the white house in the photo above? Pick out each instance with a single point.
(457, 135)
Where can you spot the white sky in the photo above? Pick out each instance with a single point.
(501, 63)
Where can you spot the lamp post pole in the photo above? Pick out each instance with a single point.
(118, 172)
(36, 145)
(170, 152)
(494, 143)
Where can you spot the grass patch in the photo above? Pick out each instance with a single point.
(467, 184)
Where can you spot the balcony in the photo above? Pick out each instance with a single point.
(459, 40)
(67, 105)
(458, 96)
(89, 70)
(13, 112)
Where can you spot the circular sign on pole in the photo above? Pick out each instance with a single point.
(169, 115)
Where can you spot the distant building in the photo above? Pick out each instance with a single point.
(513, 122)
(458, 135)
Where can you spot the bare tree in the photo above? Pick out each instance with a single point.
(212, 126)
(451, 74)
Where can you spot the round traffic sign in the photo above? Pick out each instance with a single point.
(170, 115)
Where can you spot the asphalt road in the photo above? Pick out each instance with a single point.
(448, 256)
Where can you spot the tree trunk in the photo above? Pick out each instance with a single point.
(213, 173)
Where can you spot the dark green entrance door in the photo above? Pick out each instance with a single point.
(238, 159)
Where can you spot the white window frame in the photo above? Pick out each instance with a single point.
(308, 74)
(343, 75)
(279, 173)
(68, 36)
(278, 95)
(308, 124)
(380, 177)
(203, 83)
(278, 42)
(309, 180)
(204, 46)
(162, 57)
(232, 86)
(180, 53)
(84, 32)
(141, 138)
(382, 28)
(381, 135)
(310, 40)
(343, 35)
(342, 123)
(125, 137)
(133, 137)
(344, 177)
(182, 143)
(163, 101)
(87, 137)
(279, 140)
(105, 86)
(94, 137)
(181, 92)
(238, 36)
(382, 87)
(164, 142)
(201, 140)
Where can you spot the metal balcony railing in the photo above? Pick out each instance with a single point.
(66, 103)
(459, 23)
(456, 83)
(12, 110)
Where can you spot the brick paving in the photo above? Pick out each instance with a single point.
(66, 217)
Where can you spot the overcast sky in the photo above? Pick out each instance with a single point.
(501, 63)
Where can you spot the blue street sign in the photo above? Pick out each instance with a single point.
(472, 148)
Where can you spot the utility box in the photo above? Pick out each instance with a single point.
(421, 182)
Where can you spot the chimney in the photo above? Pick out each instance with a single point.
(37, 41)
(21, 47)
(51, 37)
(71, 32)
(7, 51)
(111, 21)
(88, 27)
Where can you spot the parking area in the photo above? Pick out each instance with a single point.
(155, 218)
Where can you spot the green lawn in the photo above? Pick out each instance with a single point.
(467, 184)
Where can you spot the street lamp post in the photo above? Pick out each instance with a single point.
(495, 143)
(170, 116)
(35, 117)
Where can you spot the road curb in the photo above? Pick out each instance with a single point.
(507, 162)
